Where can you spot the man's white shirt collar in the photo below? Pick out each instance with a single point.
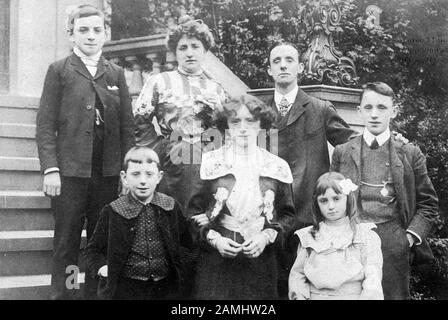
(381, 138)
(290, 96)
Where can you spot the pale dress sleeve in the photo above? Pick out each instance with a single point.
(299, 288)
(372, 260)
(145, 132)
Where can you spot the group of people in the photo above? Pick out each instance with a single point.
(205, 211)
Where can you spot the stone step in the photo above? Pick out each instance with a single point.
(32, 287)
(17, 130)
(26, 219)
(18, 147)
(19, 164)
(20, 173)
(18, 115)
(18, 199)
(20, 180)
(21, 110)
(37, 292)
(24, 263)
(30, 240)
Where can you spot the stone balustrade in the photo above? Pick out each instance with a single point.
(145, 56)
(141, 57)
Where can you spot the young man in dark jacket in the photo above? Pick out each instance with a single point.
(395, 191)
(84, 128)
(136, 247)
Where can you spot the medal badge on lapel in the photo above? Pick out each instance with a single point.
(384, 191)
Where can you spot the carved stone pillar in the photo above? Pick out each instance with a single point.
(324, 64)
(170, 61)
(136, 84)
(156, 62)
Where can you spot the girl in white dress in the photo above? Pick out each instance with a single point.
(337, 258)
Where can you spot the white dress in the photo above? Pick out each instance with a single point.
(337, 265)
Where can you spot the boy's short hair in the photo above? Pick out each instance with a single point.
(83, 11)
(141, 154)
(379, 87)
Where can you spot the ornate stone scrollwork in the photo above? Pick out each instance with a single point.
(324, 64)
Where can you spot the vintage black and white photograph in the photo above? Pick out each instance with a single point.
(224, 150)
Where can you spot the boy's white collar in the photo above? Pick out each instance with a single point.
(381, 138)
(94, 57)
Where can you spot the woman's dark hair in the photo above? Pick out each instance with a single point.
(260, 110)
(192, 29)
(326, 181)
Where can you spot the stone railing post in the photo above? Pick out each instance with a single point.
(156, 60)
(170, 61)
(136, 84)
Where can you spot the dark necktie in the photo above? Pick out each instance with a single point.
(374, 145)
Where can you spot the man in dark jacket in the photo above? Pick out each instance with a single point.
(395, 191)
(84, 128)
(305, 125)
(136, 247)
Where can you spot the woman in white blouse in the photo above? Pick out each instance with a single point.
(175, 108)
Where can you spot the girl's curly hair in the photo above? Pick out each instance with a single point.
(260, 110)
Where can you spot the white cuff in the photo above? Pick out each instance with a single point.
(52, 169)
(103, 271)
(415, 235)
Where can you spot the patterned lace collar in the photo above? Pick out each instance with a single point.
(129, 207)
(219, 163)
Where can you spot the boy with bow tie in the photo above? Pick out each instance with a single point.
(84, 128)
(394, 192)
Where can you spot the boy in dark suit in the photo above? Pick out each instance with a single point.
(394, 191)
(84, 128)
(136, 247)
